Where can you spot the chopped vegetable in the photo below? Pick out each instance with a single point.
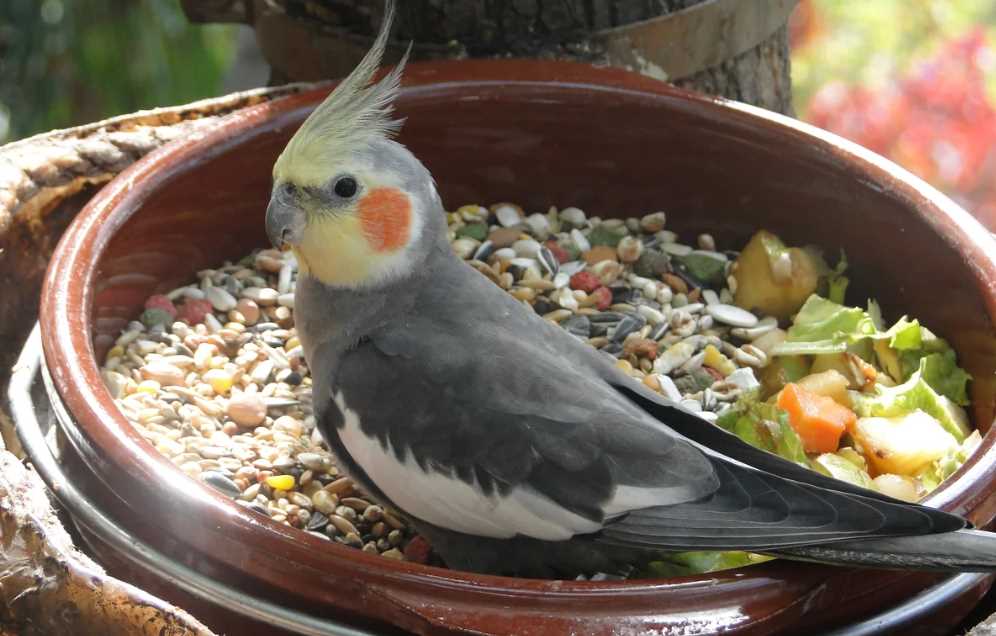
(858, 373)
(840, 468)
(829, 383)
(836, 282)
(818, 420)
(782, 370)
(942, 373)
(933, 474)
(685, 563)
(770, 340)
(774, 279)
(903, 444)
(823, 327)
(765, 426)
(897, 486)
(915, 393)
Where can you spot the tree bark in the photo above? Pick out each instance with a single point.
(338, 32)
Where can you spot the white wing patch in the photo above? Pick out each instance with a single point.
(453, 504)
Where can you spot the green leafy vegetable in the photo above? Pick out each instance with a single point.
(905, 335)
(822, 326)
(915, 393)
(931, 475)
(765, 426)
(942, 373)
(834, 465)
(836, 281)
(685, 563)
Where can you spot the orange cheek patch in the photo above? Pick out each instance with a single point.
(386, 218)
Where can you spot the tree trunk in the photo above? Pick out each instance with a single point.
(316, 39)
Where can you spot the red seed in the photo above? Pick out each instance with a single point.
(558, 252)
(418, 550)
(194, 310)
(585, 281)
(603, 298)
(159, 301)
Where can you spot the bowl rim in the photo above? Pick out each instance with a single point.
(68, 295)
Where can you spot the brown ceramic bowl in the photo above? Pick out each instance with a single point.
(539, 133)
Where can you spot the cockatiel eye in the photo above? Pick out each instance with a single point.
(345, 187)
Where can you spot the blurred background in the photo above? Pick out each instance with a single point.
(914, 80)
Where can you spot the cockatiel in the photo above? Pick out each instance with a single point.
(513, 447)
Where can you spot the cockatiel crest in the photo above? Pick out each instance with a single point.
(339, 181)
(350, 117)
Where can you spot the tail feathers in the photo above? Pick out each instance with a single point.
(959, 551)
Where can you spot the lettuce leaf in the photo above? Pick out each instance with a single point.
(823, 326)
(834, 465)
(943, 374)
(905, 335)
(765, 426)
(931, 475)
(915, 393)
(685, 563)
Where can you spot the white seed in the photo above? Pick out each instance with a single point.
(572, 215)
(732, 315)
(508, 215)
(164, 373)
(247, 409)
(668, 388)
(673, 357)
(220, 299)
(527, 248)
(653, 316)
(539, 225)
(629, 249)
(565, 298)
(580, 240)
(653, 223)
(465, 247)
(743, 379)
(751, 356)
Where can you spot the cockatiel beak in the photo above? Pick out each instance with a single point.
(285, 220)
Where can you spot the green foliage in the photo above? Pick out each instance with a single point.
(871, 41)
(67, 62)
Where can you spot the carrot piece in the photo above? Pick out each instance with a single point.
(818, 420)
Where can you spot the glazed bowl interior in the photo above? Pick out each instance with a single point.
(615, 146)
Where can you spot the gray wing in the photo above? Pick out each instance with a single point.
(499, 399)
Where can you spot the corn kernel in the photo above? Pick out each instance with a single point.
(280, 482)
(148, 386)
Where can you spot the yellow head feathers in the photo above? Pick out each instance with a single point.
(355, 113)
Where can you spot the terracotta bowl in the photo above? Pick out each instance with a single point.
(538, 133)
